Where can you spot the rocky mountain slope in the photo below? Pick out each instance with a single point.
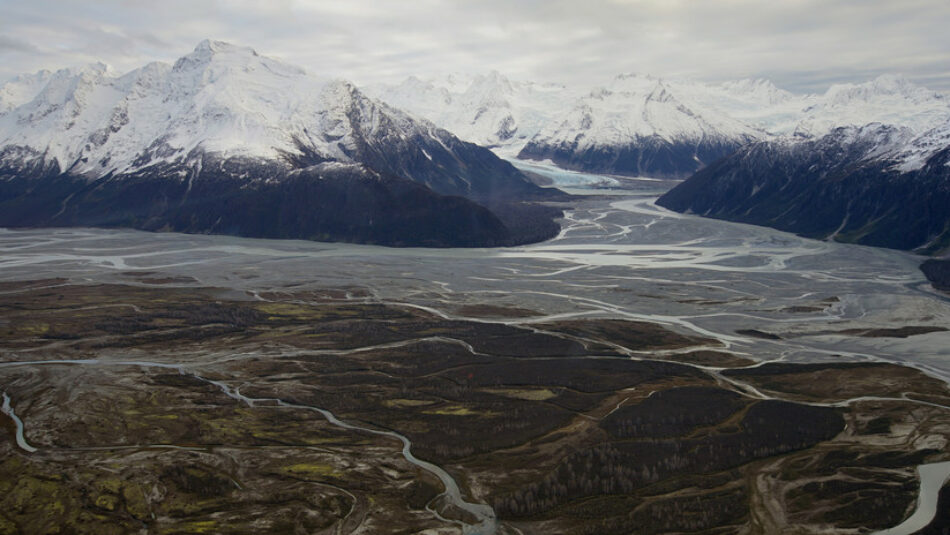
(226, 140)
(878, 184)
(863, 163)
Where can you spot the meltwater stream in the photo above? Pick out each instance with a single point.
(20, 439)
(618, 255)
(932, 478)
(485, 522)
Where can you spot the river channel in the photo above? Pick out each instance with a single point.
(618, 255)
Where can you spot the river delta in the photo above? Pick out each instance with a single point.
(643, 372)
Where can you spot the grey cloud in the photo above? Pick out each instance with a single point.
(802, 45)
(8, 44)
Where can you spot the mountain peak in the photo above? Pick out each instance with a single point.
(493, 81)
(635, 83)
(28, 77)
(213, 60)
(22, 89)
(211, 46)
(497, 77)
(634, 76)
(90, 71)
(891, 81)
(210, 52)
(885, 85)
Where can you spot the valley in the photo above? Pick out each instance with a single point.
(644, 371)
(475, 268)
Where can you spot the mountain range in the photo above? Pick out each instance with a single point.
(864, 163)
(836, 174)
(641, 125)
(877, 184)
(228, 141)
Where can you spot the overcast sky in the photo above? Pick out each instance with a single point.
(802, 45)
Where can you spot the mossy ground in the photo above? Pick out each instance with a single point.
(526, 422)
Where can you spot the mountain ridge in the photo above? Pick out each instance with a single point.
(593, 129)
(877, 185)
(227, 116)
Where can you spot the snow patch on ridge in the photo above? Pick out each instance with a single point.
(919, 150)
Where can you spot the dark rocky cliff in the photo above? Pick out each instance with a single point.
(831, 188)
(648, 156)
(323, 202)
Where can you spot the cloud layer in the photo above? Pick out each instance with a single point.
(802, 45)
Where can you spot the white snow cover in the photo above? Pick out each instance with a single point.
(915, 154)
(220, 98)
(637, 106)
(228, 99)
(887, 99)
(756, 102)
(22, 89)
(489, 110)
(875, 141)
(632, 105)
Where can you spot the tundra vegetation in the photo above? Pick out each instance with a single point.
(131, 395)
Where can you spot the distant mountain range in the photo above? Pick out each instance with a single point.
(228, 141)
(643, 125)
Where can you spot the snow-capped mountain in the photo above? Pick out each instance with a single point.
(635, 125)
(887, 99)
(490, 110)
(639, 124)
(920, 150)
(21, 89)
(758, 103)
(226, 115)
(645, 125)
(864, 163)
(877, 184)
